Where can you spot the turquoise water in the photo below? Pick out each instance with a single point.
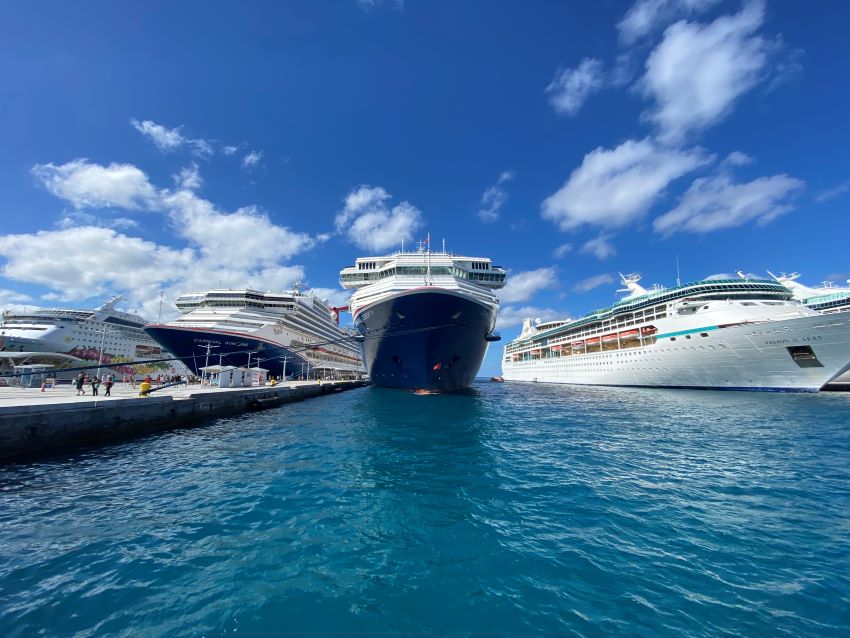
(507, 510)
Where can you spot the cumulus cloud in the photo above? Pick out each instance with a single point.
(586, 285)
(523, 285)
(87, 185)
(698, 71)
(241, 248)
(571, 87)
(600, 247)
(252, 159)
(494, 198)
(510, 316)
(335, 297)
(614, 187)
(369, 222)
(188, 178)
(648, 16)
(716, 203)
(87, 261)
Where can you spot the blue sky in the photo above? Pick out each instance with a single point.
(179, 146)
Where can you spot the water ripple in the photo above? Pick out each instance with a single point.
(508, 509)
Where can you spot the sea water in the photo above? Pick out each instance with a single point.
(506, 510)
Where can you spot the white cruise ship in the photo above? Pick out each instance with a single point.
(826, 299)
(77, 336)
(731, 334)
(288, 333)
(425, 318)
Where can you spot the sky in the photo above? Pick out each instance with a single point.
(160, 148)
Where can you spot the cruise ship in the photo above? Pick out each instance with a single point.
(76, 338)
(826, 299)
(731, 334)
(424, 318)
(288, 333)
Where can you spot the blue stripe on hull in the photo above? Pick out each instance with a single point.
(189, 346)
(428, 340)
(679, 387)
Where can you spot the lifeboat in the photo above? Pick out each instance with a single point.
(558, 347)
(648, 330)
(593, 341)
(536, 351)
(609, 338)
(629, 334)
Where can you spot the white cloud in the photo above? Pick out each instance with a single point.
(600, 247)
(737, 158)
(9, 297)
(169, 140)
(77, 218)
(87, 185)
(494, 198)
(586, 285)
(252, 159)
(165, 139)
(369, 222)
(229, 150)
(614, 187)
(716, 203)
(832, 193)
(188, 178)
(87, 261)
(571, 87)
(510, 316)
(698, 71)
(523, 285)
(647, 16)
(335, 297)
(242, 248)
(562, 250)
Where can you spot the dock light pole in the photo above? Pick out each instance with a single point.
(100, 357)
(284, 366)
(207, 364)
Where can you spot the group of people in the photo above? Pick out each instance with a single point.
(83, 380)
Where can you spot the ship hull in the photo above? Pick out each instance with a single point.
(747, 357)
(229, 349)
(433, 340)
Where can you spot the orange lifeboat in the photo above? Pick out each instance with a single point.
(629, 334)
(648, 330)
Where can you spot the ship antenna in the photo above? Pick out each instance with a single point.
(678, 277)
(444, 245)
(159, 318)
(402, 244)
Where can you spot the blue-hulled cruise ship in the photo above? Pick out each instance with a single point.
(288, 333)
(424, 318)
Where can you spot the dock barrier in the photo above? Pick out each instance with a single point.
(27, 429)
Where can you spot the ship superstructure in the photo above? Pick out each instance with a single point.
(743, 334)
(289, 333)
(827, 298)
(424, 318)
(104, 334)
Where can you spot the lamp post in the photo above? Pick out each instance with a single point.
(207, 364)
(100, 357)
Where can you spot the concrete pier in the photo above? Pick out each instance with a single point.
(32, 421)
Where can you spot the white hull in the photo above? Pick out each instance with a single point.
(744, 357)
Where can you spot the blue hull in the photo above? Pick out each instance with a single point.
(189, 345)
(426, 340)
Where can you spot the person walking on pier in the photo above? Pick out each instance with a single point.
(108, 385)
(95, 384)
(79, 382)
